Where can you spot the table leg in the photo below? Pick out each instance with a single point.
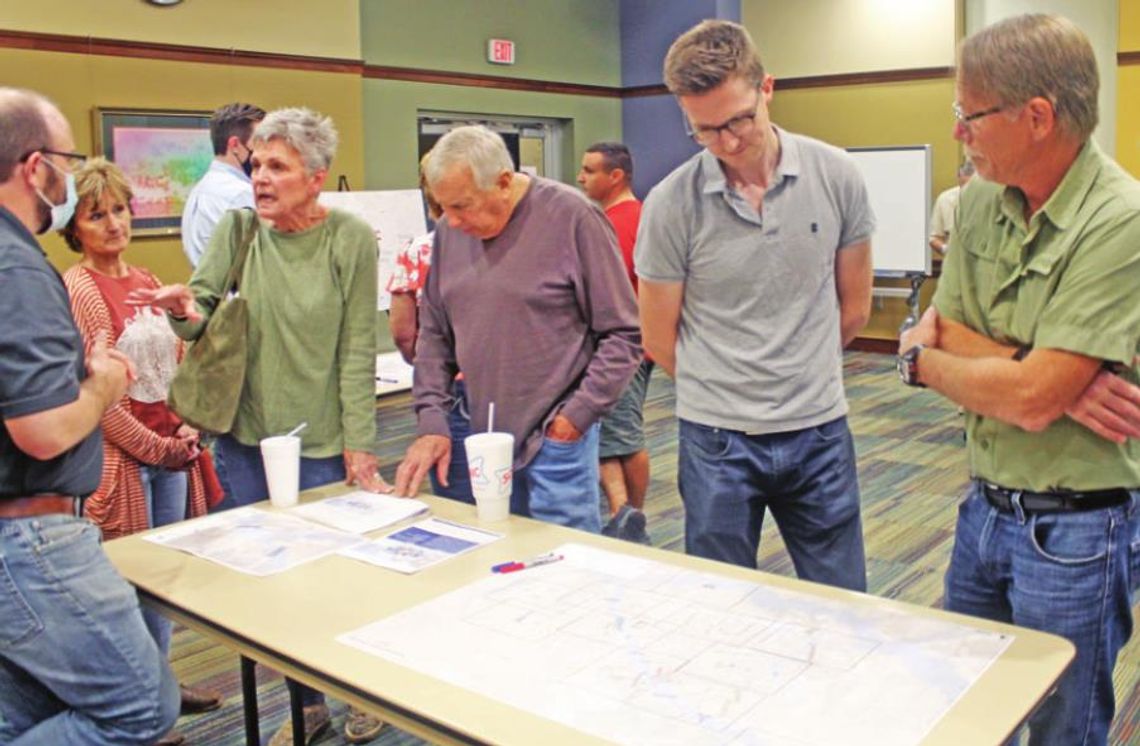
(249, 701)
(297, 710)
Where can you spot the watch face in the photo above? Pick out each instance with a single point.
(903, 367)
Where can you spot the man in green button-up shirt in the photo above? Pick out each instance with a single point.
(1035, 306)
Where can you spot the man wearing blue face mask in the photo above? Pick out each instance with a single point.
(226, 185)
(77, 664)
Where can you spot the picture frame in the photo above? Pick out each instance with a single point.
(163, 154)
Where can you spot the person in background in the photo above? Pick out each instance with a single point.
(226, 184)
(152, 465)
(1034, 330)
(945, 207)
(406, 287)
(606, 178)
(310, 284)
(528, 297)
(755, 265)
(77, 665)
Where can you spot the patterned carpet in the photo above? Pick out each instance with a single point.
(912, 471)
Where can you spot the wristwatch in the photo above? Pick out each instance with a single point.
(908, 366)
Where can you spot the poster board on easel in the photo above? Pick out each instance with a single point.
(396, 217)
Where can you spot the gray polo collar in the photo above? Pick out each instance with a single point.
(712, 174)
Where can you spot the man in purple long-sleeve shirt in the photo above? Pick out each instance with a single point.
(528, 297)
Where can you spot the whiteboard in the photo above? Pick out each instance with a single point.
(898, 183)
(396, 216)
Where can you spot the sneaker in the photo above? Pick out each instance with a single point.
(317, 718)
(360, 727)
(627, 524)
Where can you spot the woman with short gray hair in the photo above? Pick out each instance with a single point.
(309, 281)
(311, 134)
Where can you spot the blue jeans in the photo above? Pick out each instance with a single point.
(806, 478)
(560, 484)
(77, 665)
(1070, 574)
(458, 477)
(165, 504)
(243, 480)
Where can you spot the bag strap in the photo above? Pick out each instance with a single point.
(244, 233)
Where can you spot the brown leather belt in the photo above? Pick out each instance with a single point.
(27, 507)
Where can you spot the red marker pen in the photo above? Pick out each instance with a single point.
(515, 566)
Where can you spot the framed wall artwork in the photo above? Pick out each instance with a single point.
(163, 154)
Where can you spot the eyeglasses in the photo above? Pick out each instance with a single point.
(965, 119)
(739, 126)
(61, 153)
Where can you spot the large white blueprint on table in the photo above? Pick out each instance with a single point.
(638, 651)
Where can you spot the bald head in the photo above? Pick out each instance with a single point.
(31, 185)
(28, 121)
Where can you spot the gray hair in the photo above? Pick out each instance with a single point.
(310, 133)
(1034, 55)
(23, 127)
(707, 55)
(474, 146)
(966, 169)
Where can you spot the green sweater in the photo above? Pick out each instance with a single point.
(312, 331)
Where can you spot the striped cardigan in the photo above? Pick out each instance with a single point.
(118, 506)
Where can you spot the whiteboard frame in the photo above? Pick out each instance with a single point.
(927, 264)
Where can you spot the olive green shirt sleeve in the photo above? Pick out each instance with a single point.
(1094, 310)
(356, 350)
(210, 275)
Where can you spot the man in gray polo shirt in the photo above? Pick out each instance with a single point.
(755, 265)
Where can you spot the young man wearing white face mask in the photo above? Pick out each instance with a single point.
(77, 664)
(226, 185)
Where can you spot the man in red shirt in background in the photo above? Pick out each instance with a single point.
(605, 177)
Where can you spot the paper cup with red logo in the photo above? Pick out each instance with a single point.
(489, 457)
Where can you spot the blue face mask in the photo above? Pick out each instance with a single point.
(60, 214)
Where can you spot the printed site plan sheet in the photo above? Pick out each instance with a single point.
(360, 512)
(421, 545)
(256, 542)
(638, 651)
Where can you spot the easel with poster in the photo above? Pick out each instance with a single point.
(396, 217)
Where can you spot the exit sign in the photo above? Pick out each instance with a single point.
(501, 51)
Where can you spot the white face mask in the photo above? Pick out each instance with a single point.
(60, 214)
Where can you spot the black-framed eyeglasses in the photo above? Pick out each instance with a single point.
(964, 119)
(61, 153)
(739, 126)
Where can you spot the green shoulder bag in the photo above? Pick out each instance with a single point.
(207, 385)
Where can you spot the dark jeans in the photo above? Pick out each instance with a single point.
(806, 478)
(1070, 574)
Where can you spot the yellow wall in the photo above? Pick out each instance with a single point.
(1128, 90)
(328, 28)
(826, 37)
(1129, 25)
(79, 83)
